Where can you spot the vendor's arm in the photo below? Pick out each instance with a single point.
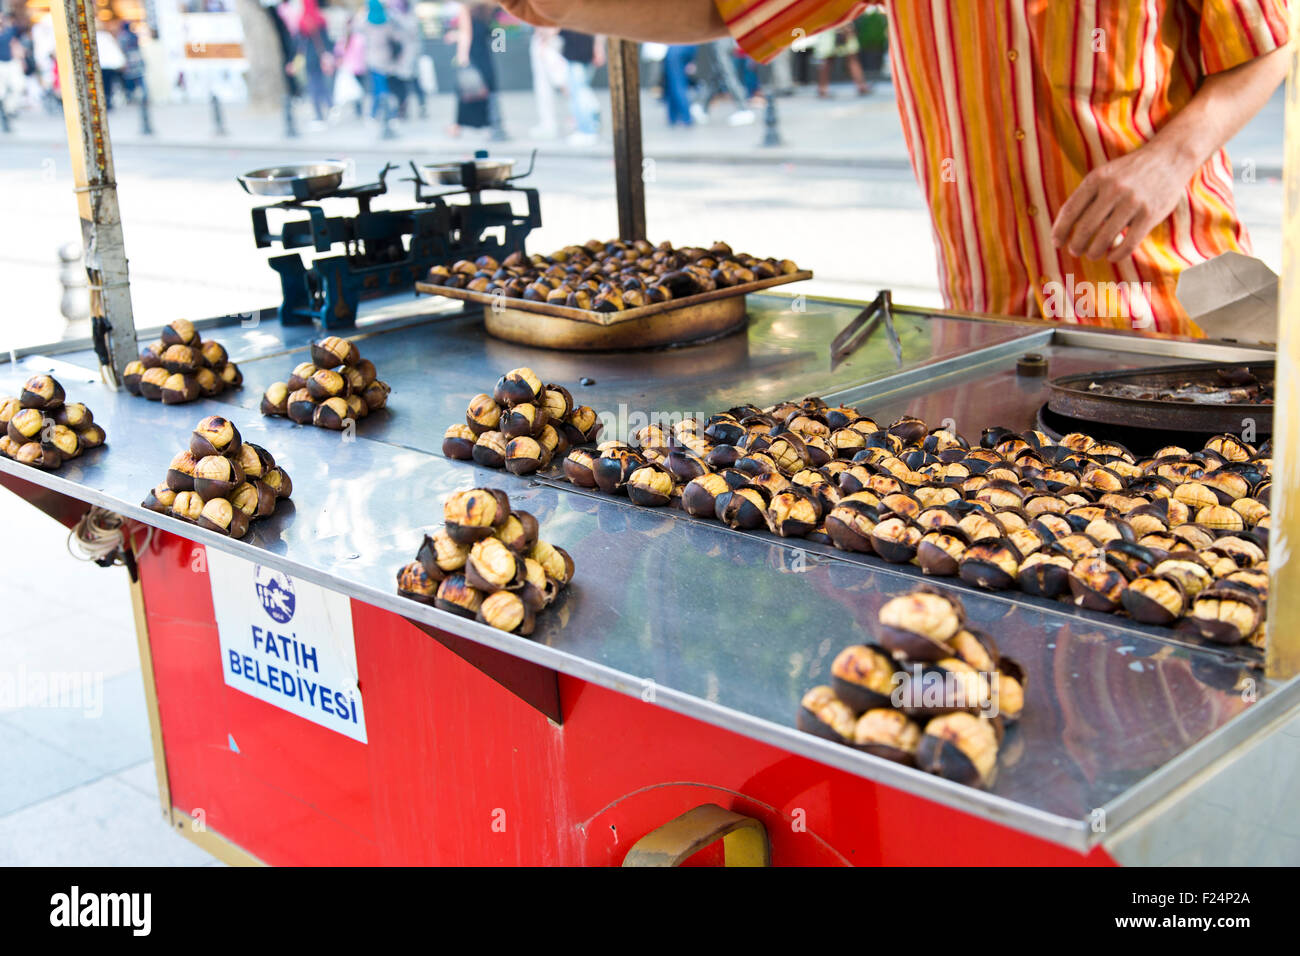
(664, 21)
(1138, 191)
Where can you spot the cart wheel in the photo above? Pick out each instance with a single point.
(744, 840)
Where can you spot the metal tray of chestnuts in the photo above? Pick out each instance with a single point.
(698, 301)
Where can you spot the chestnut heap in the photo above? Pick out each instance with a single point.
(488, 563)
(335, 387)
(522, 426)
(39, 428)
(610, 276)
(180, 367)
(220, 482)
(1079, 519)
(932, 692)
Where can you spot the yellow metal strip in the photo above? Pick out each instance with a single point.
(212, 842)
(1282, 658)
(151, 696)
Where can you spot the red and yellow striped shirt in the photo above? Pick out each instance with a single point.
(1008, 104)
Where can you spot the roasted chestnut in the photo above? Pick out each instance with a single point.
(376, 395)
(210, 385)
(1224, 614)
(300, 407)
(458, 442)
(27, 425)
(179, 388)
(895, 540)
(851, 522)
(221, 516)
(41, 392)
(413, 581)
(332, 351)
(792, 514)
(1096, 583)
(940, 552)
(863, 677)
(332, 413)
(887, 733)
(180, 473)
(517, 387)
(456, 595)
(152, 381)
(524, 455)
(75, 416)
(918, 626)
(473, 515)
(301, 374)
(744, 507)
(1154, 600)
(1045, 574)
(215, 435)
(277, 479)
(555, 561)
(131, 376)
(216, 476)
(824, 714)
(180, 358)
(960, 747)
(38, 455)
(491, 566)
(990, 563)
(180, 332)
(523, 419)
(506, 611)
(490, 450)
(483, 414)
(159, 499)
(650, 485)
(254, 498)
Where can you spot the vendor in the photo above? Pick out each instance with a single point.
(1071, 154)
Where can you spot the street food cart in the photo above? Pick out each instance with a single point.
(650, 716)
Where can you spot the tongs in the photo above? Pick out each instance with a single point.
(859, 330)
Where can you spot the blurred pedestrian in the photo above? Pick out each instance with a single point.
(584, 54)
(133, 72)
(723, 78)
(312, 48)
(476, 79)
(380, 54)
(282, 21)
(405, 30)
(677, 85)
(549, 71)
(831, 45)
(11, 65)
(350, 66)
(112, 62)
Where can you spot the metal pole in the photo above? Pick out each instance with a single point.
(388, 130)
(290, 130)
(146, 125)
(4, 116)
(1282, 657)
(218, 121)
(86, 119)
(625, 98)
(771, 122)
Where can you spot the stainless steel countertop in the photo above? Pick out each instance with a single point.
(727, 627)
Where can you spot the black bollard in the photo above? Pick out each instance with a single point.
(290, 130)
(494, 118)
(388, 130)
(771, 128)
(218, 122)
(146, 125)
(4, 117)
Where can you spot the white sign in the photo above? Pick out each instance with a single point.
(287, 642)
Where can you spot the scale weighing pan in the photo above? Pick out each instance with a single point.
(296, 181)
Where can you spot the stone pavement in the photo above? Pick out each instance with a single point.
(844, 130)
(77, 786)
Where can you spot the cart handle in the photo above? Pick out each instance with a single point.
(744, 839)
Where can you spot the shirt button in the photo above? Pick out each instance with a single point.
(1012, 55)
(1033, 212)
(1020, 133)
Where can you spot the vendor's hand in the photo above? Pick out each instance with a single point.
(1128, 196)
(462, 60)
(540, 13)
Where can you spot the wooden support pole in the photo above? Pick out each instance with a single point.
(85, 115)
(1283, 653)
(625, 97)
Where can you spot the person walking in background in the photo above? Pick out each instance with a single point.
(831, 45)
(405, 33)
(476, 79)
(112, 61)
(549, 74)
(677, 85)
(584, 54)
(723, 78)
(11, 67)
(312, 44)
(350, 66)
(379, 55)
(133, 71)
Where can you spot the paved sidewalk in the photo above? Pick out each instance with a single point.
(845, 130)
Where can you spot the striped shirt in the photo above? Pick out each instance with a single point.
(1007, 105)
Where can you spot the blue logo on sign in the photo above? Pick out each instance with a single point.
(275, 591)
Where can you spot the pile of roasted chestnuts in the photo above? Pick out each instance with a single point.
(180, 367)
(522, 426)
(487, 563)
(1179, 538)
(39, 428)
(610, 276)
(220, 482)
(931, 692)
(335, 387)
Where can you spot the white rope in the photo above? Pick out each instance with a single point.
(100, 533)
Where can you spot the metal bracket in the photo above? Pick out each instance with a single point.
(856, 333)
(535, 685)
